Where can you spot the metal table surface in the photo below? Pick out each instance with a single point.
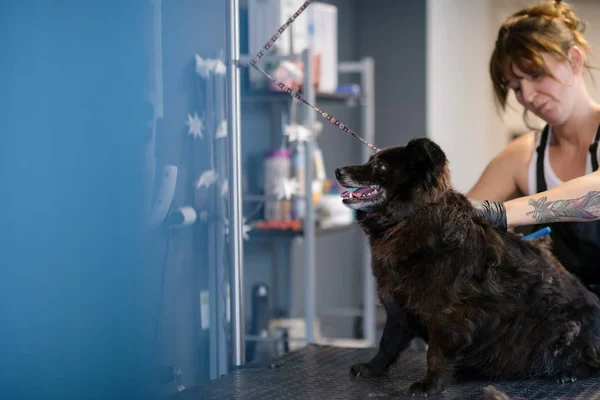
(322, 372)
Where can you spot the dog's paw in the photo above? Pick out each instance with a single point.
(365, 370)
(425, 388)
(491, 393)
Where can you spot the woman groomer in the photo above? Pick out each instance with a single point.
(540, 54)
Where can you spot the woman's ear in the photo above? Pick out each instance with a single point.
(576, 59)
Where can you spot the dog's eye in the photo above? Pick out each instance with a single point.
(380, 166)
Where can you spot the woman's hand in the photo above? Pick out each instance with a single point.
(493, 212)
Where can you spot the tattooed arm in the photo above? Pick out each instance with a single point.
(575, 200)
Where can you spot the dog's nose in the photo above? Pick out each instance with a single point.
(339, 172)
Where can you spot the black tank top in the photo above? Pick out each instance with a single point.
(575, 244)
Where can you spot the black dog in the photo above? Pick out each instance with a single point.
(487, 303)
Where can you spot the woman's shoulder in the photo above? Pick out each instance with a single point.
(518, 154)
(506, 173)
(521, 147)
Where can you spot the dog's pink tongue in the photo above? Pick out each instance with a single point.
(357, 193)
(360, 191)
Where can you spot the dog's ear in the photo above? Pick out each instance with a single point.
(427, 152)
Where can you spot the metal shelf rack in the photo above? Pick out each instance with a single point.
(366, 100)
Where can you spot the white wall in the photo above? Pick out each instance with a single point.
(461, 115)
(589, 10)
(460, 109)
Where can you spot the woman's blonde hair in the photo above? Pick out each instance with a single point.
(551, 27)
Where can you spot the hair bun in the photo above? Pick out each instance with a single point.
(565, 13)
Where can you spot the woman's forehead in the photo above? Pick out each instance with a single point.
(516, 69)
(514, 72)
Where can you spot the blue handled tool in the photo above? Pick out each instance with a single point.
(537, 234)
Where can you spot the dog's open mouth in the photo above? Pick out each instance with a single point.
(362, 193)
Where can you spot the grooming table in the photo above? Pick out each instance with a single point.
(323, 372)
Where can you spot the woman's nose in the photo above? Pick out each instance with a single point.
(527, 91)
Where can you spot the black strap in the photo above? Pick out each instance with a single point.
(594, 150)
(541, 181)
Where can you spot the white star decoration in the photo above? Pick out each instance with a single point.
(289, 187)
(221, 130)
(224, 189)
(204, 67)
(245, 228)
(196, 126)
(207, 178)
(219, 67)
(297, 133)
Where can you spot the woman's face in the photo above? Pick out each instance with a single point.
(550, 99)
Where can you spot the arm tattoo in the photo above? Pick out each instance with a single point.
(584, 208)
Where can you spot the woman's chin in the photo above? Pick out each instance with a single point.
(550, 117)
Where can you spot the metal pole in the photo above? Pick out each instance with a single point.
(368, 129)
(309, 218)
(158, 71)
(366, 69)
(349, 67)
(235, 203)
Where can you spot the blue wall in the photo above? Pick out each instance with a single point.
(75, 290)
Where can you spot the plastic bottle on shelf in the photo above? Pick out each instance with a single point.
(299, 172)
(319, 175)
(277, 173)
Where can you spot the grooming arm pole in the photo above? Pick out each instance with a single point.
(235, 203)
(368, 129)
(309, 220)
(366, 69)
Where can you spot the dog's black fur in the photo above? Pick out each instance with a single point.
(486, 302)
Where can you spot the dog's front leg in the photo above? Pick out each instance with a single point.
(400, 328)
(438, 363)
